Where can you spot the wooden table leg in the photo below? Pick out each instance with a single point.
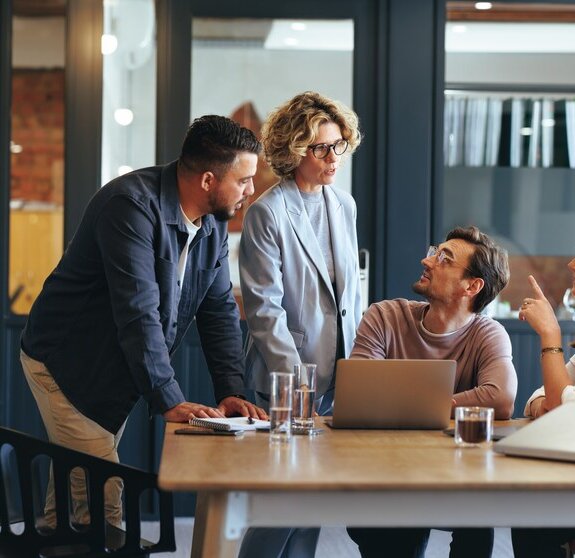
(209, 539)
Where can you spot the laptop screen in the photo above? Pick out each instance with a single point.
(394, 394)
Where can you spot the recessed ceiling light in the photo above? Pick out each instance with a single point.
(15, 147)
(526, 131)
(291, 41)
(547, 122)
(458, 28)
(483, 5)
(298, 26)
(123, 169)
(109, 44)
(123, 116)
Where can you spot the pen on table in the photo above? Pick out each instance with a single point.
(209, 431)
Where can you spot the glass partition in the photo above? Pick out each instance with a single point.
(509, 142)
(37, 152)
(243, 68)
(129, 87)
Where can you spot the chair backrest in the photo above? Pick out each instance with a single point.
(92, 538)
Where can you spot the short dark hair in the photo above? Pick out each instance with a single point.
(212, 143)
(489, 262)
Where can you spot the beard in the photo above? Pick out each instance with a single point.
(419, 289)
(223, 214)
(220, 210)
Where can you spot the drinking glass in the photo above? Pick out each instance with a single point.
(473, 425)
(281, 393)
(304, 395)
(569, 302)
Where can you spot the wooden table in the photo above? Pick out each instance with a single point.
(358, 478)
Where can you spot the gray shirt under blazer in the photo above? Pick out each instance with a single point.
(287, 294)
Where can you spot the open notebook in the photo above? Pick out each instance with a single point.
(550, 437)
(231, 423)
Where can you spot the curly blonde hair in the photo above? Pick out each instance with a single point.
(292, 127)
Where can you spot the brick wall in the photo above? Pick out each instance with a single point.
(550, 272)
(38, 126)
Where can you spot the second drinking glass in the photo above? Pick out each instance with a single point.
(304, 395)
(281, 397)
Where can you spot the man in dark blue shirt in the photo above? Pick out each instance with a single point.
(149, 256)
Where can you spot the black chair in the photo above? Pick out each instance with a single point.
(19, 502)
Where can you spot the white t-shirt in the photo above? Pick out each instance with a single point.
(567, 395)
(192, 231)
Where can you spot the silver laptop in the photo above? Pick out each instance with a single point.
(393, 394)
(550, 437)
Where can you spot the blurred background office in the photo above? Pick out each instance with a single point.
(468, 111)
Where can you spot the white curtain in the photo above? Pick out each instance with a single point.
(547, 132)
(475, 128)
(494, 114)
(570, 123)
(516, 149)
(534, 147)
(454, 119)
(472, 131)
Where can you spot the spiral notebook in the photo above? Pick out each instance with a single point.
(231, 423)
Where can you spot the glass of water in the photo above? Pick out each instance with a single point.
(304, 395)
(569, 302)
(281, 392)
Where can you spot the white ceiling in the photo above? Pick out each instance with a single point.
(484, 37)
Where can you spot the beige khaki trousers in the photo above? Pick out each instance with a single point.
(68, 427)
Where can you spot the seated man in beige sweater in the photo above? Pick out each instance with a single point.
(460, 278)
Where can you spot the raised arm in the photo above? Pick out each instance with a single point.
(537, 311)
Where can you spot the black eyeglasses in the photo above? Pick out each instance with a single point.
(321, 150)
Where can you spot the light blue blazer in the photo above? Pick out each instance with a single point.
(287, 294)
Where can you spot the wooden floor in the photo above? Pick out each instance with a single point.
(334, 542)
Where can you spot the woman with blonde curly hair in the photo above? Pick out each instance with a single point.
(299, 267)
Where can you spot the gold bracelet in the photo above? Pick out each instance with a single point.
(551, 350)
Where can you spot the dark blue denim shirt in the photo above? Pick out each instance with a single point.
(112, 312)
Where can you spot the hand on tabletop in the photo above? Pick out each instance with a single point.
(186, 411)
(233, 406)
(539, 407)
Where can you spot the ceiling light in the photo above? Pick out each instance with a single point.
(547, 122)
(298, 26)
(526, 131)
(109, 44)
(483, 5)
(123, 116)
(459, 28)
(511, 37)
(336, 35)
(123, 169)
(15, 148)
